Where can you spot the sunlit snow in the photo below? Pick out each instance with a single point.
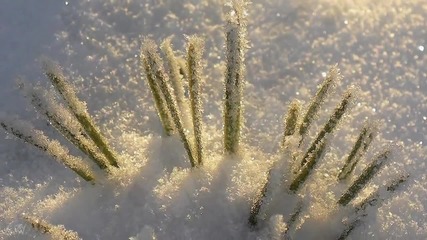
(378, 45)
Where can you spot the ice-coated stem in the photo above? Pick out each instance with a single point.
(155, 70)
(294, 217)
(327, 85)
(290, 122)
(349, 228)
(24, 131)
(315, 150)
(78, 108)
(365, 138)
(259, 200)
(174, 74)
(236, 45)
(159, 101)
(194, 65)
(56, 232)
(367, 174)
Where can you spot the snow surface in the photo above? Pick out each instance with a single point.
(379, 45)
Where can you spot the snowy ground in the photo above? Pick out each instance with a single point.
(379, 45)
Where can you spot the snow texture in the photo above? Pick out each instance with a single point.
(378, 45)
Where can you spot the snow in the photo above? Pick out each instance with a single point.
(378, 45)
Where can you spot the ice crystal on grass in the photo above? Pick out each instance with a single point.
(56, 232)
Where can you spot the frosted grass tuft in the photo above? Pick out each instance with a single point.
(253, 188)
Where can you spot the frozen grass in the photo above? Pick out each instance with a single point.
(154, 194)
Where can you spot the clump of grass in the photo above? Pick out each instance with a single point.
(317, 147)
(367, 174)
(365, 138)
(155, 72)
(167, 89)
(78, 108)
(63, 121)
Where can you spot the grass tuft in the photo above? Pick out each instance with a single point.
(78, 108)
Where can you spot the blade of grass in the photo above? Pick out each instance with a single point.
(174, 74)
(161, 106)
(236, 45)
(24, 131)
(194, 63)
(326, 87)
(291, 120)
(349, 228)
(259, 200)
(56, 232)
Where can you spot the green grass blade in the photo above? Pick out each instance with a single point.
(294, 216)
(328, 84)
(194, 62)
(291, 120)
(381, 194)
(349, 228)
(365, 138)
(236, 45)
(174, 73)
(259, 200)
(161, 106)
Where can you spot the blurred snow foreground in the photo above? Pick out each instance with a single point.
(155, 195)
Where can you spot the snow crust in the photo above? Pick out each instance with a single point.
(378, 45)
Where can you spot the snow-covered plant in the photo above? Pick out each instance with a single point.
(56, 232)
(180, 113)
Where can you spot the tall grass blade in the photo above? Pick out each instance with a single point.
(194, 63)
(161, 106)
(236, 45)
(259, 200)
(328, 84)
(349, 228)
